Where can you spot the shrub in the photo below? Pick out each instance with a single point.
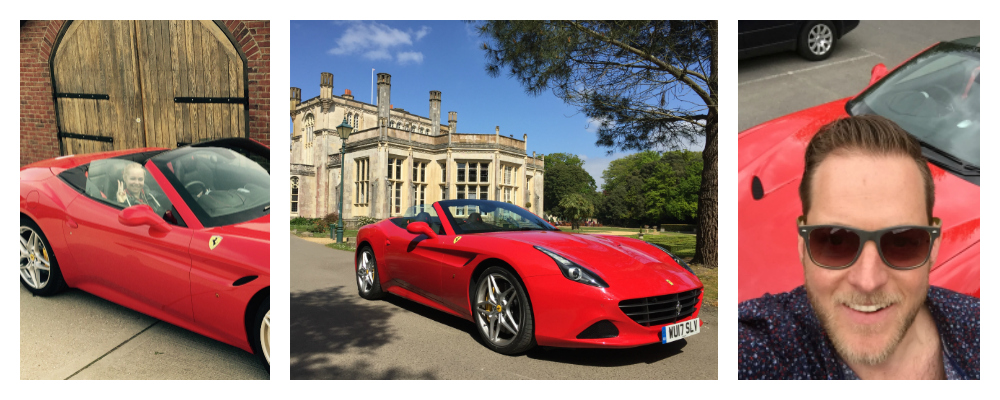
(331, 218)
(362, 221)
(318, 227)
(299, 221)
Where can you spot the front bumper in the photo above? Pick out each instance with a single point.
(563, 309)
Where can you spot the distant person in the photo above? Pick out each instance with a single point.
(867, 242)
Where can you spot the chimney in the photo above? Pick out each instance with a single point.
(435, 113)
(347, 94)
(325, 91)
(294, 101)
(452, 122)
(383, 102)
(525, 142)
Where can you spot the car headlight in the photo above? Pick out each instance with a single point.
(676, 259)
(574, 271)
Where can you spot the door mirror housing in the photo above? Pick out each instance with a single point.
(417, 228)
(878, 72)
(143, 215)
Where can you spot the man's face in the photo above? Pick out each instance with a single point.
(134, 180)
(868, 307)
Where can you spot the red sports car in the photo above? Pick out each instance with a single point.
(523, 282)
(180, 235)
(935, 97)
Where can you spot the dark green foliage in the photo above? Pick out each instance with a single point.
(649, 188)
(564, 175)
(576, 207)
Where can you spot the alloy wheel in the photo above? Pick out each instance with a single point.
(366, 272)
(265, 336)
(498, 309)
(820, 39)
(35, 265)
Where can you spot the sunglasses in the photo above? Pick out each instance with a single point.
(838, 247)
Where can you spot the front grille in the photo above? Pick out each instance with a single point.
(660, 310)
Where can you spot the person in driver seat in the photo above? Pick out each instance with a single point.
(132, 188)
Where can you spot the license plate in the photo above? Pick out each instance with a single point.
(681, 330)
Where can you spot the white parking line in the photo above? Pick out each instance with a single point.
(798, 71)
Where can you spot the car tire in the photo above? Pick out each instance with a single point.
(40, 272)
(261, 333)
(502, 312)
(366, 274)
(817, 40)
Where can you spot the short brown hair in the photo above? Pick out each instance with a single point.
(870, 134)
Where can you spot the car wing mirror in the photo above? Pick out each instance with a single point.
(417, 228)
(878, 72)
(143, 215)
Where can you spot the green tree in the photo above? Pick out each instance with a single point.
(576, 207)
(651, 84)
(564, 175)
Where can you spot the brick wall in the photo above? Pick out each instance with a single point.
(38, 115)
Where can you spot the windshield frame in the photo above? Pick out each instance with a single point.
(161, 162)
(933, 150)
(523, 213)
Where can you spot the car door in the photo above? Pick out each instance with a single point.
(136, 266)
(411, 260)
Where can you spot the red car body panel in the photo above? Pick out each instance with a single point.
(439, 273)
(774, 152)
(172, 276)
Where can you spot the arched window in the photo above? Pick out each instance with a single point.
(295, 195)
(309, 123)
(356, 126)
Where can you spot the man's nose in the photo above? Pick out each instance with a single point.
(869, 272)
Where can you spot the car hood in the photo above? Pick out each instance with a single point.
(614, 258)
(774, 153)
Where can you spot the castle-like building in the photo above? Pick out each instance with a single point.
(395, 159)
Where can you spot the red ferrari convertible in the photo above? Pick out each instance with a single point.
(523, 282)
(180, 235)
(935, 97)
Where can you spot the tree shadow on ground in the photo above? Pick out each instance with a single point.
(359, 370)
(441, 317)
(608, 357)
(327, 321)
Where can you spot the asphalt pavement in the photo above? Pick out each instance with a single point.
(76, 335)
(775, 85)
(335, 334)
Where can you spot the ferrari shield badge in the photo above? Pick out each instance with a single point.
(457, 238)
(214, 241)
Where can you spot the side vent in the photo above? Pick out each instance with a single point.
(244, 280)
(756, 188)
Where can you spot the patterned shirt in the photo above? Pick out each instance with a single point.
(780, 337)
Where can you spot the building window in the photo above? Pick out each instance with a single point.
(295, 195)
(395, 177)
(356, 127)
(361, 181)
(508, 183)
(461, 173)
(310, 122)
(420, 182)
(467, 172)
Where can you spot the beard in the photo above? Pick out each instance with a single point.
(866, 344)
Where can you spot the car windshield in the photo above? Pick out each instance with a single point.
(934, 97)
(221, 186)
(476, 216)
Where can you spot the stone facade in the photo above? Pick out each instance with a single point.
(396, 159)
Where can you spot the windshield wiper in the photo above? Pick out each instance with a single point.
(963, 167)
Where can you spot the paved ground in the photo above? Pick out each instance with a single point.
(75, 335)
(335, 334)
(774, 85)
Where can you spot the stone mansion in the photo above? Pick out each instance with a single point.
(396, 159)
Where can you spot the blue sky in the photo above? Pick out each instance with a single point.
(439, 55)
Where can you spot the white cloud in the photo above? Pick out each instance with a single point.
(406, 57)
(593, 124)
(377, 41)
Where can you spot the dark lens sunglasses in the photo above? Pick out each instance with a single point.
(838, 247)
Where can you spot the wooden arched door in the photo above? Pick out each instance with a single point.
(129, 84)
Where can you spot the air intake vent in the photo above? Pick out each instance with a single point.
(244, 280)
(661, 310)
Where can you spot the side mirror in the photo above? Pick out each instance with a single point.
(417, 228)
(143, 215)
(878, 72)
